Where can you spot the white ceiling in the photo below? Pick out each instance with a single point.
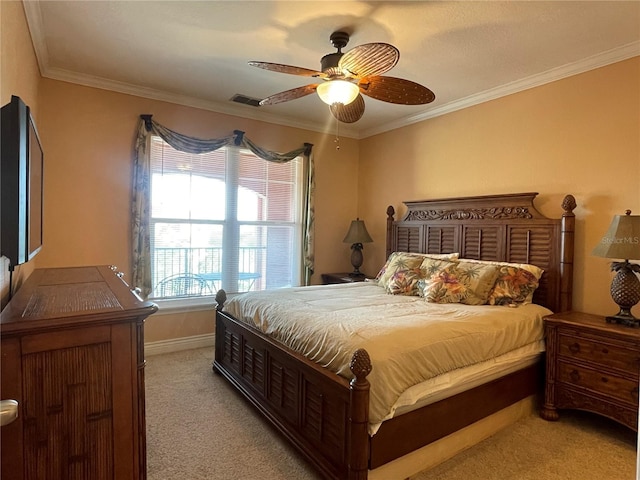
(196, 53)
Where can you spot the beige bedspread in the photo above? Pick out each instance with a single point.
(408, 339)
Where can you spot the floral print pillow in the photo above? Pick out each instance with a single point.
(443, 287)
(404, 261)
(461, 282)
(515, 285)
(516, 282)
(405, 282)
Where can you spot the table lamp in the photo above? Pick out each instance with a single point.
(356, 236)
(622, 241)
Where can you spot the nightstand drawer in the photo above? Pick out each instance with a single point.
(603, 383)
(600, 351)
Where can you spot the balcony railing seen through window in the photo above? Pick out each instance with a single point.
(180, 272)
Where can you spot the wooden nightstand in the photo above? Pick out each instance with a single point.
(344, 277)
(591, 365)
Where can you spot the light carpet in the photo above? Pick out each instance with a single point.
(198, 427)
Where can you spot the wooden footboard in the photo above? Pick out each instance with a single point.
(323, 415)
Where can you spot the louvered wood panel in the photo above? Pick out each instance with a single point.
(482, 243)
(321, 428)
(408, 239)
(334, 428)
(530, 245)
(533, 245)
(312, 412)
(232, 350)
(253, 366)
(67, 411)
(440, 239)
(282, 390)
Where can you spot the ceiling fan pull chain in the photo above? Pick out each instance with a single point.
(337, 140)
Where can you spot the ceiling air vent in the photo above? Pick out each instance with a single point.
(239, 98)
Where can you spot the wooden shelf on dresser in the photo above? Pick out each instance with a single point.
(72, 349)
(592, 365)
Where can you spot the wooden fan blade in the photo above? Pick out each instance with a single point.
(289, 95)
(349, 113)
(277, 67)
(369, 59)
(396, 90)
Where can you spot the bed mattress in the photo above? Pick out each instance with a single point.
(421, 352)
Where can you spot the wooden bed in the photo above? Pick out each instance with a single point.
(325, 416)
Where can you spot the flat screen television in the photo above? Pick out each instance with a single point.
(21, 184)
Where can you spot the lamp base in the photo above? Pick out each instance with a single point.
(625, 291)
(356, 260)
(624, 317)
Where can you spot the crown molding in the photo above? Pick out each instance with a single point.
(596, 61)
(34, 21)
(34, 24)
(237, 110)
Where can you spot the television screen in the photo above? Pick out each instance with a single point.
(21, 184)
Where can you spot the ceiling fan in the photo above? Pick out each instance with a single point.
(345, 76)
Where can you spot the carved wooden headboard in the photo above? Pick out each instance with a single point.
(504, 228)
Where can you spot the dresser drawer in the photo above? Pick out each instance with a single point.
(602, 382)
(601, 351)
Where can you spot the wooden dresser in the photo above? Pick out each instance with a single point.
(73, 357)
(592, 365)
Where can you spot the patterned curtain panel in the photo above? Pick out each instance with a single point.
(141, 204)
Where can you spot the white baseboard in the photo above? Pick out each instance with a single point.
(177, 344)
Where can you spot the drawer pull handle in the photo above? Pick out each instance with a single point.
(574, 348)
(575, 375)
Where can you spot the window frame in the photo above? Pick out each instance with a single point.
(231, 227)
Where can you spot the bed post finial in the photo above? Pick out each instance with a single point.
(568, 205)
(566, 253)
(221, 297)
(390, 213)
(360, 365)
(359, 415)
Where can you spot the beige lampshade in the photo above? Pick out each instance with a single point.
(622, 240)
(357, 233)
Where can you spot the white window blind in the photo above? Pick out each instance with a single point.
(224, 219)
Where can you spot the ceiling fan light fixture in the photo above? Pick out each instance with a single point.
(338, 91)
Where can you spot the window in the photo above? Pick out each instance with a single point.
(224, 219)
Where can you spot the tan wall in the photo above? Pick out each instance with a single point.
(579, 135)
(19, 75)
(88, 137)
